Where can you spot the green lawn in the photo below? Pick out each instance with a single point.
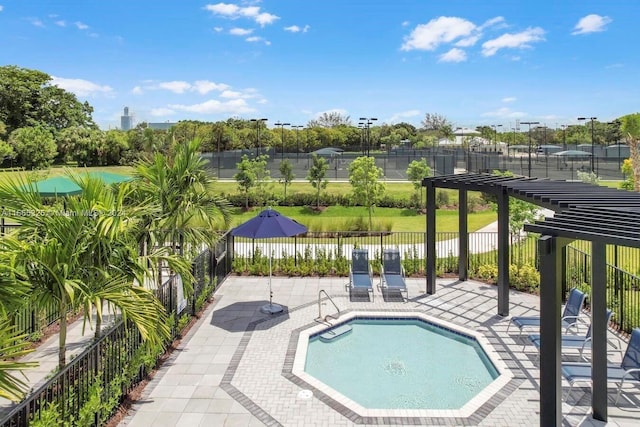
(337, 218)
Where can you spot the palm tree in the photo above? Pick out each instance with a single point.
(83, 256)
(112, 264)
(179, 188)
(12, 344)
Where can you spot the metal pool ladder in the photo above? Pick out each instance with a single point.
(328, 316)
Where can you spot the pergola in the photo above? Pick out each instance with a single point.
(604, 216)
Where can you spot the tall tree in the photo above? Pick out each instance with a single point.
(434, 121)
(180, 187)
(330, 119)
(245, 177)
(27, 99)
(417, 170)
(364, 177)
(33, 146)
(286, 175)
(317, 176)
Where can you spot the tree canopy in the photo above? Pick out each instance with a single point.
(27, 98)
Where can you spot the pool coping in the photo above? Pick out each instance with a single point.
(348, 407)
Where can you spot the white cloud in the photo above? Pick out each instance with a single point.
(296, 29)
(1, 7)
(509, 99)
(504, 113)
(453, 55)
(266, 18)
(61, 23)
(443, 29)
(81, 26)
(137, 90)
(218, 29)
(493, 22)
(240, 31)
(36, 22)
(80, 87)
(205, 86)
(175, 86)
(402, 116)
(468, 41)
(234, 94)
(405, 23)
(591, 24)
(232, 11)
(254, 39)
(519, 40)
(213, 106)
(180, 86)
(160, 112)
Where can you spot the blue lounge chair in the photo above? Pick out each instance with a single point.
(360, 274)
(581, 342)
(629, 368)
(392, 274)
(570, 314)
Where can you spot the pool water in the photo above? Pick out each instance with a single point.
(401, 364)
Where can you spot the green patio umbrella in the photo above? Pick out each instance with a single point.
(64, 186)
(57, 186)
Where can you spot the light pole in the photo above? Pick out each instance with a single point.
(367, 122)
(282, 125)
(495, 133)
(529, 124)
(297, 127)
(258, 121)
(592, 139)
(564, 137)
(616, 139)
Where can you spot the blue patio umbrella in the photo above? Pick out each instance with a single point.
(269, 224)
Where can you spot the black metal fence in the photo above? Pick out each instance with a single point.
(330, 253)
(116, 363)
(442, 160)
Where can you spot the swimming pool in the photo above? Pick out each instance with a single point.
(400, 363)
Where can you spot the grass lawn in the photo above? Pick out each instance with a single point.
(337, 218)
(59, 170)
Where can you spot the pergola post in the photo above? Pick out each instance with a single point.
(550, 334)
(503, 253)
(430, 241)
(599, 330)
(463, 236)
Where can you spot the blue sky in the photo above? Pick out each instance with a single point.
(475, 62)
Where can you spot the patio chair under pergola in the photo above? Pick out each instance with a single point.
(601, 215)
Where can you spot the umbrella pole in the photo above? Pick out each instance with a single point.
(271, 308)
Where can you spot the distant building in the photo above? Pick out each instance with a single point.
(126, 121)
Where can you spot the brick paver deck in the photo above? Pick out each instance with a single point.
(233, 367)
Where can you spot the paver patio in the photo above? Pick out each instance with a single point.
(231, 368)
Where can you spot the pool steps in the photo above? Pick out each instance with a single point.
(336, 332)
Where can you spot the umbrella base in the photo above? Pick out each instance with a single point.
(271, 308)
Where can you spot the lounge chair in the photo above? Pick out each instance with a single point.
(392, 274)
(629, 368)
(581, 342)
(360, 274)
(570, 314)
